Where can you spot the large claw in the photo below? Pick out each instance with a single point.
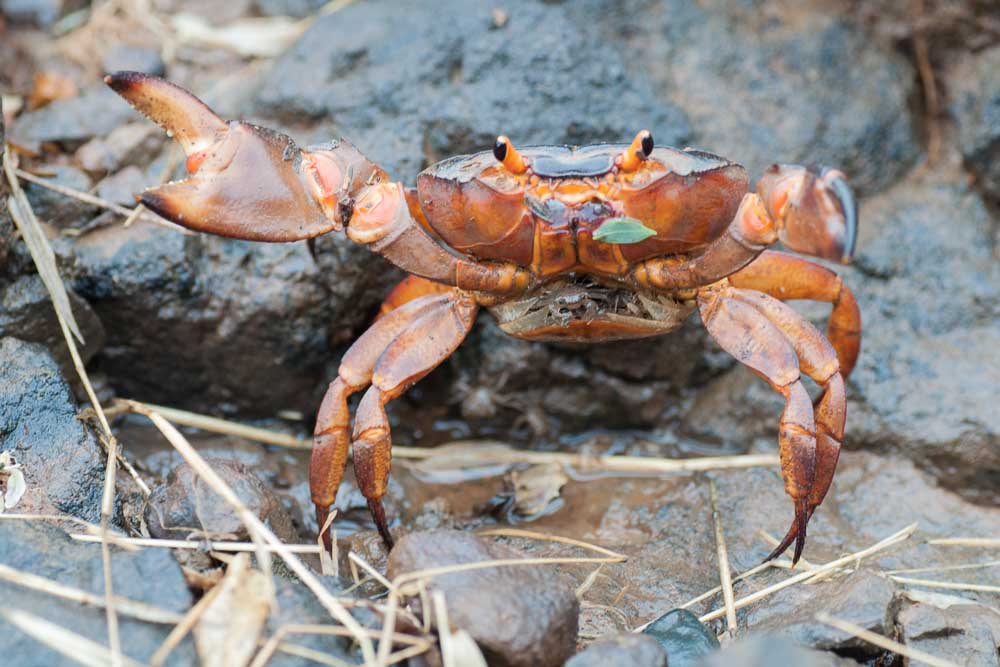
(246, 181)
(816, 213)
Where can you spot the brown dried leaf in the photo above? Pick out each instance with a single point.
(227, 632)
(536, 487)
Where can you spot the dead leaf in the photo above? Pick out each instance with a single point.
(49, 87)
(263, 37)
(227, 632)
(536, 487)
(13, 479)
(461, 461)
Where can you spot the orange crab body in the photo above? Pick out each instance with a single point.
(583, 244)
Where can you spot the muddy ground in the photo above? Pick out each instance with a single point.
(904, 97)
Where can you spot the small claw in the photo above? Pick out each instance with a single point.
(378, 514)
(796, 532)
(816, 213)
(246, 181)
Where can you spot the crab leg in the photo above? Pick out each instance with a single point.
(786, 276)
(420, 348)
(756, 342)
(818, 360)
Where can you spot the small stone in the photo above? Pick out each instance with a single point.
(517, 615)
(121, 187)
(685, 639)
(974, 86)
(56, 208)
(622, 651)
(61, 459)
(966, 634)
(96, 111)
(40, 13)
(863, 598)
(130, 144)
(769, 652)
(186, 506)
(133, 58)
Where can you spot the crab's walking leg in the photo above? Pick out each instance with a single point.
(786, 276)
(753, 340)
(818, 360)
(417, 350)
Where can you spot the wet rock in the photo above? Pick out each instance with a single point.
(26, 313)
(863, 598)
(974, 88)
(122, 186)
(966, 634)
(738, 70)
(133, 58)
(96, 111)
(61, 458)
(768, 651)
(185, 505)
(150, 576)
(621, 651)
(55, 208)
(683, 637)
(265, 316)
(517, 615)
(459, 83)
(131, 144)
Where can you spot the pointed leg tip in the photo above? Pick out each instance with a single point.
(378, 515)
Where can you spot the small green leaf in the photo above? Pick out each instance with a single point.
(622, 231)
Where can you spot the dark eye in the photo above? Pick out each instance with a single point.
(647, 144)
(500, 150)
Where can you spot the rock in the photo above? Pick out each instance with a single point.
(517, 615)
(133, 58)
(26, 313)
(55, 208)
(768, 651)
(264, 315)
(297, 605)
(295, 8)
(122, 186)
(185, 505)
(61, 458)
(40, 13)
(974, 88)
(459, 83)
(150, 576)
(131, 144)
(683, 637)
(863, 598)
(966, 634)
(96, 111)
(621, 651)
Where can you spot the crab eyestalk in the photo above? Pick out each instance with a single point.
(815, 211)
(245, 181)
(637, 152)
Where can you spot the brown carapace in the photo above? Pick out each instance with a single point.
(525, 234)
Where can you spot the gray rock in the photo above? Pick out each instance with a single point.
(40, 13)
(133, 58)
(459, 83)
(121, 187)
(55, 208)
(296, 8)
(184, 505)
(768, 651)
(517, 615)
(863, 598)
(150, 576)
(96, 111)
(26, 313)
(966, 634)
(264, 315)
(131, 144)
(621, 651)
(62, 460)
(974, 88)
(683, 637)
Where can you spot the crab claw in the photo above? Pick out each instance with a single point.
(245, 181)
(815, 212)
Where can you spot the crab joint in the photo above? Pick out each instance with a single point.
(379, 215)
(510, 157)
(326, 181)
(637, 152)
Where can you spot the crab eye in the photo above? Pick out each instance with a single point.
(640, 149)
(509, 156)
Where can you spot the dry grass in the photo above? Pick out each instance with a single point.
(722, 553)
(883, 642)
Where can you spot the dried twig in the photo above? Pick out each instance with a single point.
(534, 535)
(988, 542)
(946, 568)
(725, 578)
(236, 547)
(951, 585)
(183, 627)
(883, 642)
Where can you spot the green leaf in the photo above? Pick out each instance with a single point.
(622, 231)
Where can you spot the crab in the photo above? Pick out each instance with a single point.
(582, 244)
